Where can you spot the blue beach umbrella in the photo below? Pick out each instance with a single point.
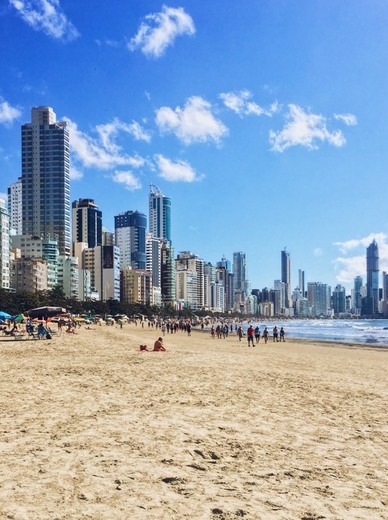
(5, 315)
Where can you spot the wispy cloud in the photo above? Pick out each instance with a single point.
(193, 123)
(178, 171)
(364, 242)
(8, 113)
(304, 129)
(46, 16)
(348, 119)
(352, 262)
(4, 196)
(160, 30)
(127, 179)
(75, 173)
(101, 152)
(241, 104)
(318, 251)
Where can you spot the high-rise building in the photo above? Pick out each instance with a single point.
(167, 273)
(239, 280)
(319, 295)
(86, 222)
(187, 261)
(357, 295)
(46, 178)
(302, 287)
(36, 247)
(103, 262)
(15, 206)
(286, 276)
(372, 279)
(4, 247)
(159, 214)
(339, 300)
(130, 236)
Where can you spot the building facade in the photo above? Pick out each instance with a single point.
(130, 237)
(4, 246)
(371, 306)
(15, 205)
(86, 222)
(159, 214)
(46, 178)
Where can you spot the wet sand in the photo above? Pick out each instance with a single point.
(93, 429)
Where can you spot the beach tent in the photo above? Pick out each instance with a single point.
(5, 315)
(45, 312)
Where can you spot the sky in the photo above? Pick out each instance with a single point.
(264, 121)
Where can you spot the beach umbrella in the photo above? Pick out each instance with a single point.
(5, 315)
(45, 312)
(18, 318)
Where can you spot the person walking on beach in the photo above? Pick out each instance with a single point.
(250, 334)
(282, 334)
(275, 336)
(239, 333)
(265, 335)
(257, 334)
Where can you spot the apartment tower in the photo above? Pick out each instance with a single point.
(46, 178)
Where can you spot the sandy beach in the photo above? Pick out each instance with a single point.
(93, 429)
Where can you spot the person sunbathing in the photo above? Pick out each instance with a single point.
(158, 346)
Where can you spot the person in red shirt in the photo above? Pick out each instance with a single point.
(250, 335)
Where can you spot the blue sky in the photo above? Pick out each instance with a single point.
(264, 121)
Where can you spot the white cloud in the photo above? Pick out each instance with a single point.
(241, 103)
(75, 173)
(160, 30)
(318, 251)
(8, 113)
(194, 123)
(352, 263)
(176, 171)
(128, 179)
(101, 152)
(304, 129)
(348, 119)
(46, 16)
(363, 242)
(4, 196)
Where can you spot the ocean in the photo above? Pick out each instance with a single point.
(361, 332)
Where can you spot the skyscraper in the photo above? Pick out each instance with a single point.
(286, 277)
(357, 296)
(319, 295)
(15, 206)
(159, 214)
(4, 247)
(301, 282)
(372, 279)
(130, 236)
(46, 178)
(86, 222)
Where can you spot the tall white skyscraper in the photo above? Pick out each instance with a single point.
(46, 178)
(4, 247)
(15, 205)
(159, 214)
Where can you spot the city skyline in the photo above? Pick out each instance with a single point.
(258, 141)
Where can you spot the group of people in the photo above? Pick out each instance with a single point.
(254, 334)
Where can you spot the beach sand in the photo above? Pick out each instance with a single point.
(93, 429)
